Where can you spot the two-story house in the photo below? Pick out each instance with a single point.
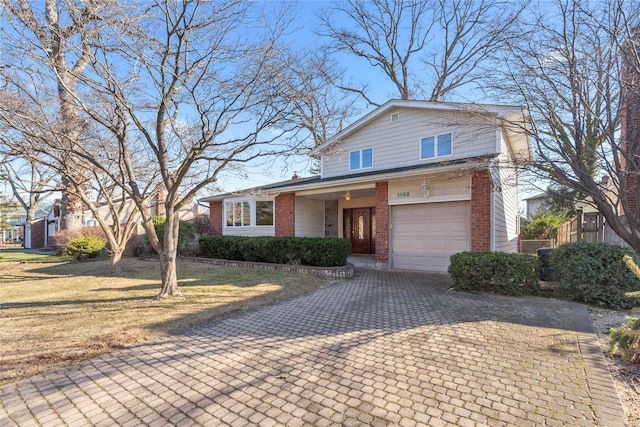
(412, 182)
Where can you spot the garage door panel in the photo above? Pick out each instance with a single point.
(424, 236)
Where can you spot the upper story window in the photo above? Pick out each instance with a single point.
(435, 146)
(249, 213)
(361, 159)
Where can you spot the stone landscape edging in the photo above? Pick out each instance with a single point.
(342, 272)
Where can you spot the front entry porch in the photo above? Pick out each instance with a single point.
(366, 261)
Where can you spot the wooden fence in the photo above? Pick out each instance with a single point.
(587, 227)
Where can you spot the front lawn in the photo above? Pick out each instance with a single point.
(58, 314)
(11, 255)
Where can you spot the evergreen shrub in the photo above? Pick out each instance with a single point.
(499, 272)
(312, 251)
(594, 273)
(85, 247)
(186, 233)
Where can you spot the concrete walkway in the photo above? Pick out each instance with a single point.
(382, 349)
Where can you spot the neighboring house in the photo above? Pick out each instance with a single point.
(536, 203)
(18, 231)
(412, 182)
(11, 219)
(43, 232)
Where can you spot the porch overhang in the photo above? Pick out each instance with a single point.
(316, 186)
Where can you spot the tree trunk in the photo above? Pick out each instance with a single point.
(115, 258)
(168, 256)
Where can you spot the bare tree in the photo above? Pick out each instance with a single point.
(38, 143)
(31, 183)
(318, 107)
(409, 40)
(184, 94)
(568, 71)
(47, 49)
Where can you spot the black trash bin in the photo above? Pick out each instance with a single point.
(544, 254)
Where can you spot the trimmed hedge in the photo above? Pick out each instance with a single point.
(594, 273)
(312, 251)
(85, 247)
(510, 274)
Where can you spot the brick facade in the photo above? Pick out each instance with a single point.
(215, 218)
(481, 211)
(38, 233)
(285, 207)
(382, 224)
(630, 125)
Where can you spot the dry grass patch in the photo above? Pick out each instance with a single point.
(58, 314)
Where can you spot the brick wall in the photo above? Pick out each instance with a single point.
(285, 207)
(38, 233)
(630, 124)
(481, 211)
(215, 218)
(382, 224)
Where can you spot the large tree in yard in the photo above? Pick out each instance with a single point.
(426, 49)
(184, 93)
(32, 140)
(45, 51)
(576, 69)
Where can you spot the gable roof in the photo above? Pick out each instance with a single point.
(515, 118)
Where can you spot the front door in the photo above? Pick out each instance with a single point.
(358, 223)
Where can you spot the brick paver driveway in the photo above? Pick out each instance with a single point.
(384, 348)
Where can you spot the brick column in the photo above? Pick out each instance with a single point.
(215, 218)
(382, 224)
(285, 207)
(481, 211)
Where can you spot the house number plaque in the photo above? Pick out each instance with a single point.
(403, 194)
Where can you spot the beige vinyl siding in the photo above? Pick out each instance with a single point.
(309, 217)
(397, 144)
(441, 189)
(505, 203)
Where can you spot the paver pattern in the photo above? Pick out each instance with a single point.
(382, 349)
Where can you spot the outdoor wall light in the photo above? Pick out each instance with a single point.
(347, 196)
(425, 189)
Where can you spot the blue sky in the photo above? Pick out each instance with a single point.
(380, 89)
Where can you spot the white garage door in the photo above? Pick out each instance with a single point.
(424, 236)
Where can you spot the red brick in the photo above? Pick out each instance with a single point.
(285, 207)
(382, 223)
(630, 127)
(215, 218)
(481, 211)
(38, 233)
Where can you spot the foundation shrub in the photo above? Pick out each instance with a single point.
(594, 273)
(312, 251)
(499, 272)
